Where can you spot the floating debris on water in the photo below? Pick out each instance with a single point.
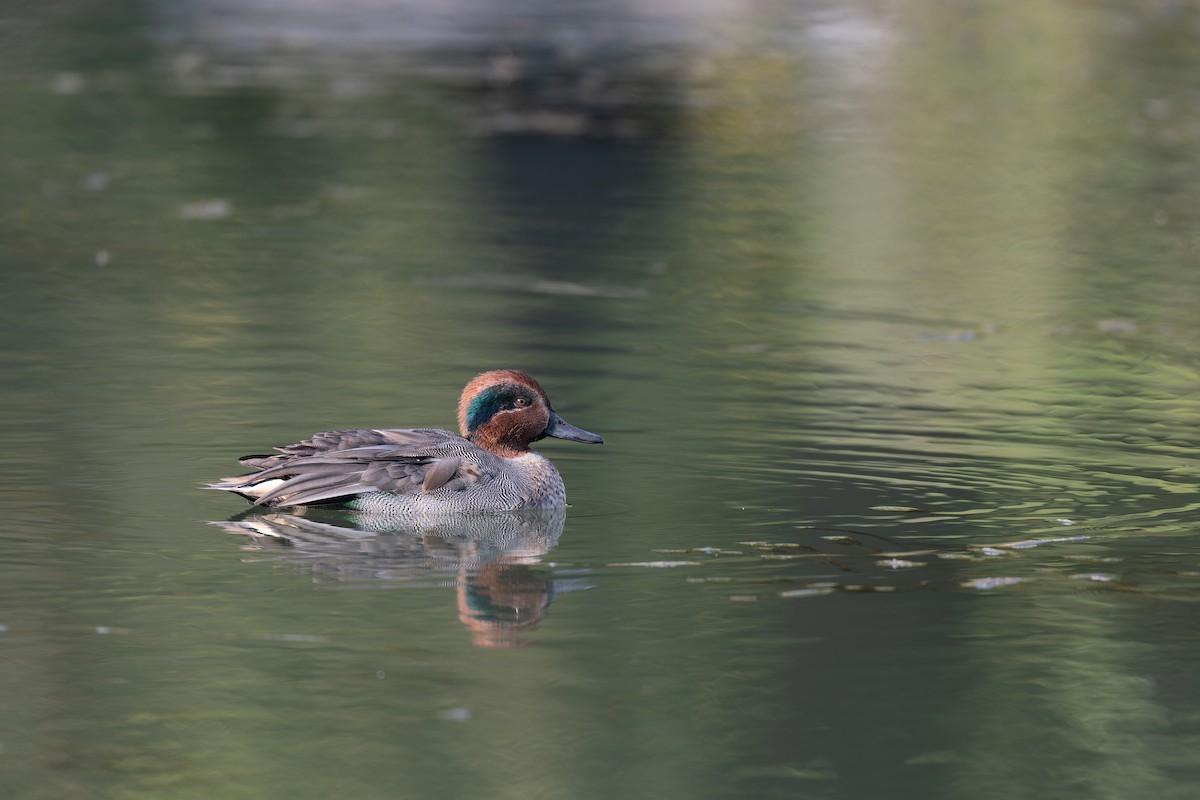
(1099, 577)
(941, 512)
(573, 289)
(744, 581)
(816, 770)
(657, 564)
(899, 563)
(992, 583)
(455, 714)
(96, 181)
(1065, 521)
(1026, 544)
(68, 83)
(955, 335)
(714, 551)
(206, 210)
(809, 592)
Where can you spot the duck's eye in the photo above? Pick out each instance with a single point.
(521, 402)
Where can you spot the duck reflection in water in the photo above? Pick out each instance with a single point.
(491, 559)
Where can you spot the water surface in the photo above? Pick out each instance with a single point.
(888, 321)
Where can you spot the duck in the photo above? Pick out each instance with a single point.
(488, 466)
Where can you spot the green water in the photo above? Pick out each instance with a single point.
(888, 321)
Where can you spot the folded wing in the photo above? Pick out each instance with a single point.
(335, 466)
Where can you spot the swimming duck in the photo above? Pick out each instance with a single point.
(416, 471)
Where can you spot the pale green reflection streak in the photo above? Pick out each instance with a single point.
(1061, 707)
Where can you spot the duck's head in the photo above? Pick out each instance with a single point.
(504, 410)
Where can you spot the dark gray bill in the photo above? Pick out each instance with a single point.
(559, 428)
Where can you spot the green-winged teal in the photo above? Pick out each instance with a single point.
(418, 471)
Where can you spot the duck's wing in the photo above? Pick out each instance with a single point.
(334, 466)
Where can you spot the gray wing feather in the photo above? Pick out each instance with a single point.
(439, 472)
(337, 465)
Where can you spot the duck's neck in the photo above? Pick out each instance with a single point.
(489, 441)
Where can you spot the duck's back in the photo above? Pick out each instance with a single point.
(400, 471)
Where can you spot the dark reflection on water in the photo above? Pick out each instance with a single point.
(887, 317)
(487, 558)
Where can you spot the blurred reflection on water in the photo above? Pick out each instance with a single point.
(535, 66)
(486, 557)
(887, 316)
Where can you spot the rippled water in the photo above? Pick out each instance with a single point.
(888, 322)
